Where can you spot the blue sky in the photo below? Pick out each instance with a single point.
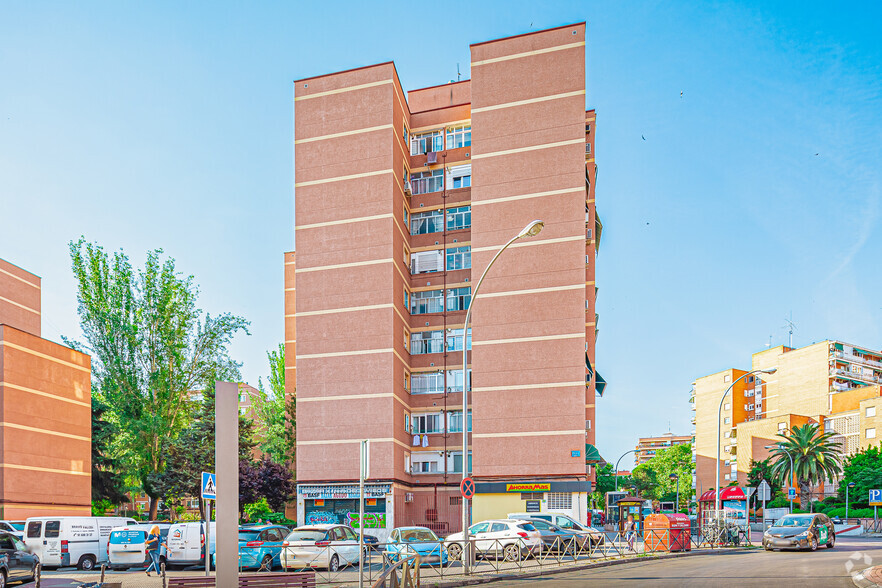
(144, 125)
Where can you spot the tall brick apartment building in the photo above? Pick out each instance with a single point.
(45, 398)
(401, 201)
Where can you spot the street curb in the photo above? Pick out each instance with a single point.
(565, 569)
(862, 582)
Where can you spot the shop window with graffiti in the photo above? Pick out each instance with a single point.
(345, 512)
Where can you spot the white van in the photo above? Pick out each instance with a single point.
(65, 541)
(127, 546)
(186, 543)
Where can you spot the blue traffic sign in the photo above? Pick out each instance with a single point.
(791, 493)
(209, 486)
(875, 497)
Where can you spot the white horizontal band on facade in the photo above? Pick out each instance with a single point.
(347, 309)
(344, 221)
(529, 339)
(343, 178)
(19, 278)
(342, 90)
(533, 291)
(346, 441)
(529, 101)
(14, 303)
(344, 353)
(528, 386)
(15, 466)
(46, 394)
(322, 268)
(290, 367)
(44, 431)
(531, 243)
(343, 134)
(530, 148)
(453, 123)
(528, 53)
(529, 434)
(44, 356)
(345, 397)
(526, 196)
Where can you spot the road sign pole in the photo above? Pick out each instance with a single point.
(364, 467)
(207, 536)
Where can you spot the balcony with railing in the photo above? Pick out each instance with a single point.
(858, 359)
(839, 372)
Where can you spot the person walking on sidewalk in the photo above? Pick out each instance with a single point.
(631, 532)
(153, 540)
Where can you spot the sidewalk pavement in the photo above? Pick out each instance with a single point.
(868, 578)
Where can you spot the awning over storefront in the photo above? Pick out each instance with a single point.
(592, 456)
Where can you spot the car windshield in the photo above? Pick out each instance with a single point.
(418, 536)
(527, 527)
(793, 522)
(126, 537)
(248, 535)
(306, 535)
(18, 526)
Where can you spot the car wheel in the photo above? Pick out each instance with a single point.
(266, 563)
(767, 548)
(831, 541)
(813, 544)
(454, 551)
(2, 579)
(86, 563)
(334, 564)
(511, 552)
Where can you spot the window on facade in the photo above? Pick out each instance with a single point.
(427, 383)
(727, 406)
(459, 298)
(431, 221)
(427, 302)
(871, 433)
(727, 434)
(424, 142)
(782, 426)
(871, 411)
(727, 476)
(459, 258)
(424, 424)
(426, 342)
(454, 379)
(454, 422)
(427, 181)
(459, 176)
(727, 420)
(560, 500)
(423, 262)
(727, 378)
(454, 339)
(425, 467)
(457, 462)
(460, 136)
(459, 218)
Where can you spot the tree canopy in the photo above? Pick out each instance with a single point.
(275, 413)
(653, 478)
(864, 468)
(815, 456)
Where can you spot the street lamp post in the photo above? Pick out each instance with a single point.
(847, 487)
(719, 427)
(676, 477)
(616, 473)
(531, 230)
(790, 457)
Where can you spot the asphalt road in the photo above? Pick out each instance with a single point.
(823, 568)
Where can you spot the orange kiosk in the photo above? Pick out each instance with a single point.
(667, 532)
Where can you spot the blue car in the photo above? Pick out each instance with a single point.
(260, 546)
(405, 541)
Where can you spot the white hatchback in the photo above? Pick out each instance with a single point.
(320, 546)
(512, 539)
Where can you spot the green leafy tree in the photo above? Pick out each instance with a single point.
(865, 470)
(150, 346)
(653, 478)
(815, 457)
(107, 480)
(275, 413)
(759, 471)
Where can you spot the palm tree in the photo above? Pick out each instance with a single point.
(815, 458)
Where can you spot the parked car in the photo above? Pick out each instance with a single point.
(13, 528)
(800, 531)
(261, 546)
(320, 546)
(65, 541)
(371, 541)
(405, 541)
(564, 522)
(16, 563)
(558, 540)
(127, 546)
(513, 539)
(186, 543)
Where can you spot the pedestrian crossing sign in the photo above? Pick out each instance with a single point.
(209, 486)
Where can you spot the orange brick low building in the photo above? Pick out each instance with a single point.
(45, 399)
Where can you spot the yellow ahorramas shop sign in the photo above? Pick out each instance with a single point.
(528, 487)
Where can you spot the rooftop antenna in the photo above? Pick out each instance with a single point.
(458, 75)
(769, 344)
(792, 327)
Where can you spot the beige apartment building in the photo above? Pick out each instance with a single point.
(648, 446)
(401, 200)
(832, 383)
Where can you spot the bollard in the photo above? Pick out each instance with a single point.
(103, 568)
(162, 573)
(37, 571)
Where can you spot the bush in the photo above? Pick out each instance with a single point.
(864, 513)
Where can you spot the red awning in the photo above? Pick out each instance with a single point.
(733, 493)
(708, 496)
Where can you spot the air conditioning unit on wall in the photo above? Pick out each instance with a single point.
(408, 497)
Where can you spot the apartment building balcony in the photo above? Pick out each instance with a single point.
(858, 359)
(839, 372)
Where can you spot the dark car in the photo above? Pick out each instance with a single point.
(800, 531)
(16, 564)
(558, 540)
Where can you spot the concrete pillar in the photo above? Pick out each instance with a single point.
(226, 459)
